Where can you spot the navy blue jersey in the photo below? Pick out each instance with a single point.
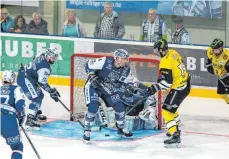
(12, 99)
(39, 69)
(111, 76)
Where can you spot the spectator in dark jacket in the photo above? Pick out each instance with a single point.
(20, 25)
(109, 24)
(38, 25)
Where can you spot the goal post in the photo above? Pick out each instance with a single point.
(145, 68)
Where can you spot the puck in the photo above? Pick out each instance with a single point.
(107, 135)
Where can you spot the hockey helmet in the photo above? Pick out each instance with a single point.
(217, 43)
(217, 46)
(121, 53)
(51, 55)
(8, 76)
(160, 46)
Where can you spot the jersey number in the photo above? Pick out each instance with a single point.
(4, 99)
(182, 69)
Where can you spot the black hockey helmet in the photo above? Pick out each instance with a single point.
(217, 43)
(160, 46)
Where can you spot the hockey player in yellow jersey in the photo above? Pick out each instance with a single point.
(218, 64)
(175, 78)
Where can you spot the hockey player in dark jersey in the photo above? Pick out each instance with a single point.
(34, 76)
(105, 77)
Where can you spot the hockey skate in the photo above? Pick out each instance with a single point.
(40, 116)
(31, 123)
(173, 141)
(169, 135)
(124, 132)
(86, 136)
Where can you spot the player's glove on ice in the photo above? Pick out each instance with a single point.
(54, 94)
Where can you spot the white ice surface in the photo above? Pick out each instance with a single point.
(205, 134)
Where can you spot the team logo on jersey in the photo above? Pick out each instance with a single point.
(221, 64)
(174, 56)
(225, 57)
(113, 76)
(13, 140)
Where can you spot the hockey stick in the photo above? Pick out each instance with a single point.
(27, 136)
(70, 113)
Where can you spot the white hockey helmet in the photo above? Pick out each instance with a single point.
(121, 53)
(8, 76)
(51, 55)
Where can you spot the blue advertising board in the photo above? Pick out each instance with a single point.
(200, 8)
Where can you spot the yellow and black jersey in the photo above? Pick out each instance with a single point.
(173, 72)
(218, 64)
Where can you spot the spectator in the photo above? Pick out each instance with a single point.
(6, 20)
(154, 28)
(20, 25)
(73, 27)
(180, 35)
(38, 25)
(109, 25)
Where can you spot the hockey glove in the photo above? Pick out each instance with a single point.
(95, 81)
(21, 118)
(130, 89)
(153, 89)
(54, 94)
(209, 67)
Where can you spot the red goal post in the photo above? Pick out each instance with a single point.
(145, 68)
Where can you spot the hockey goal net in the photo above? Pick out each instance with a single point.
(144, 68)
